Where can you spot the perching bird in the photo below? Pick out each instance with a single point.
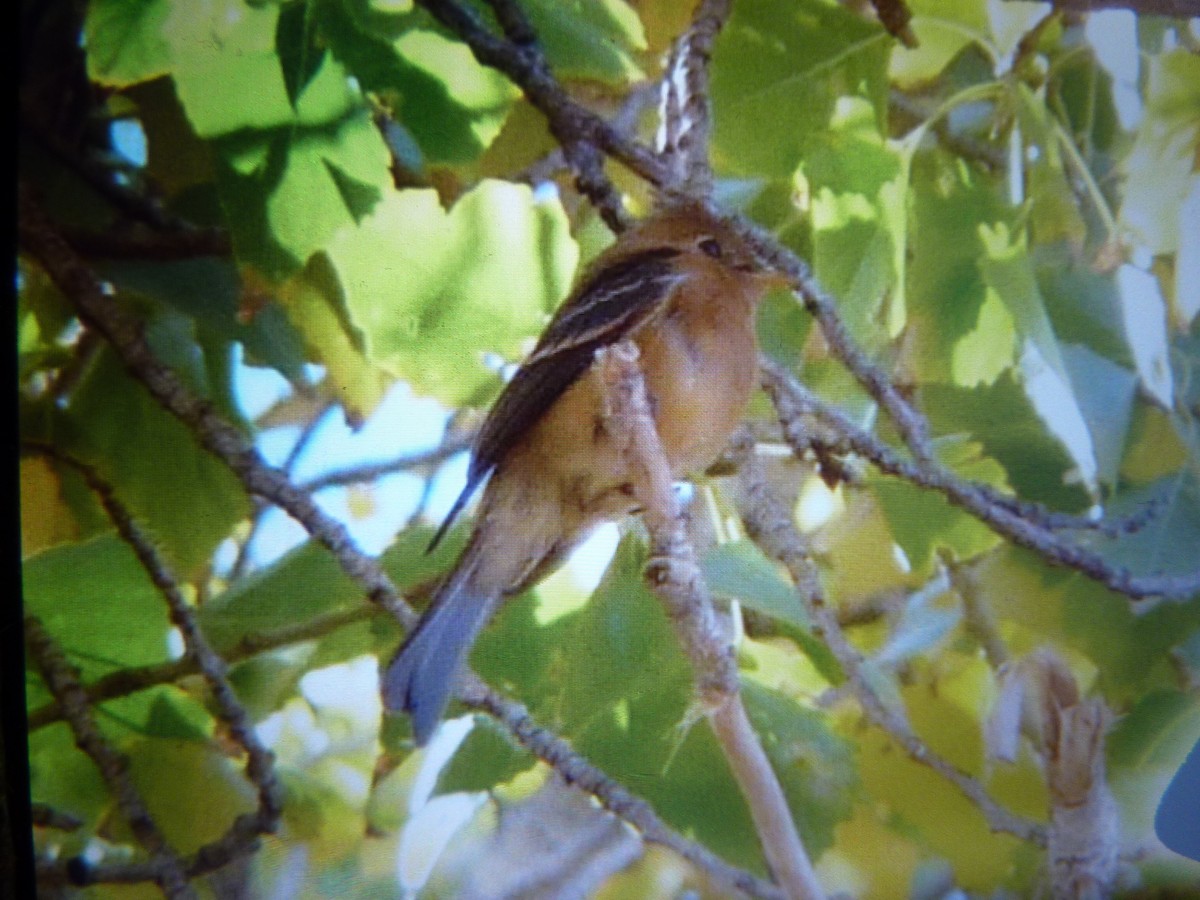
(684, 288)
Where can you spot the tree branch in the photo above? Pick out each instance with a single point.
(674, 573)
(166, 867)
(583, 135)
(769, 524)
(793, 401)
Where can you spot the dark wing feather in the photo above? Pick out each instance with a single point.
(612, 304)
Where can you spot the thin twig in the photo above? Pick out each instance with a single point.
(583, 135)
(166, 867)
(674, 573)
(260, 762)
(770, 525)
(574, 769)
(423, 459)
(793, 401)
(45, 816)
(242, 562)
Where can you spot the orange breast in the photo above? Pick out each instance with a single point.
(699, 360)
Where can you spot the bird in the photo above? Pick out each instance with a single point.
(684, 288)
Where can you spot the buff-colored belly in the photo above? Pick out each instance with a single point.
(697, 392)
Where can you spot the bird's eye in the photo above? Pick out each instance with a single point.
(711, 248)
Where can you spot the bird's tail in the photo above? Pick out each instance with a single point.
(421, 677)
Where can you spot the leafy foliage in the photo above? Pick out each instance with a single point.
(1006, 218)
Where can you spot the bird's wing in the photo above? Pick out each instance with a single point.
(610, 305)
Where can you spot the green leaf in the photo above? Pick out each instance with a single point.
(1160, 165)
(479, 96)
(946, 290)
(923, 521)
(986, 352)
(1055, 213)
(741, 570)
(1001, 417)
(487, 757)
(589, 40)
(779, 68)
(942, 31)
(192, 791)
(308, 582)
(227, 73)
(1084, 305)
(125, 40)
(1130, 646)
(1159, 730)
(184, 496)
(859, 220)
(97, 600)
(432, 292)
(1167, 543)
(303, 584)
(1106, 393)
(1144, 315)
(288, 192)
(612, 679)
(300, 57)
(314, 303)
(230, 78)
(450, 104)
(63, 777)
(922, 626)
(209, 291)
(816, 767)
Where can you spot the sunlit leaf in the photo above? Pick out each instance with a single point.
(1144, 316)
(947, 287)
(779, 68)
(1161, 162)
(594, 39)
(125, 40)
(858, 221)
(433, 291)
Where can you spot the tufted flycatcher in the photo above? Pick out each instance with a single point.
(684, 288)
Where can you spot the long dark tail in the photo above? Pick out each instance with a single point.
(421, 677)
